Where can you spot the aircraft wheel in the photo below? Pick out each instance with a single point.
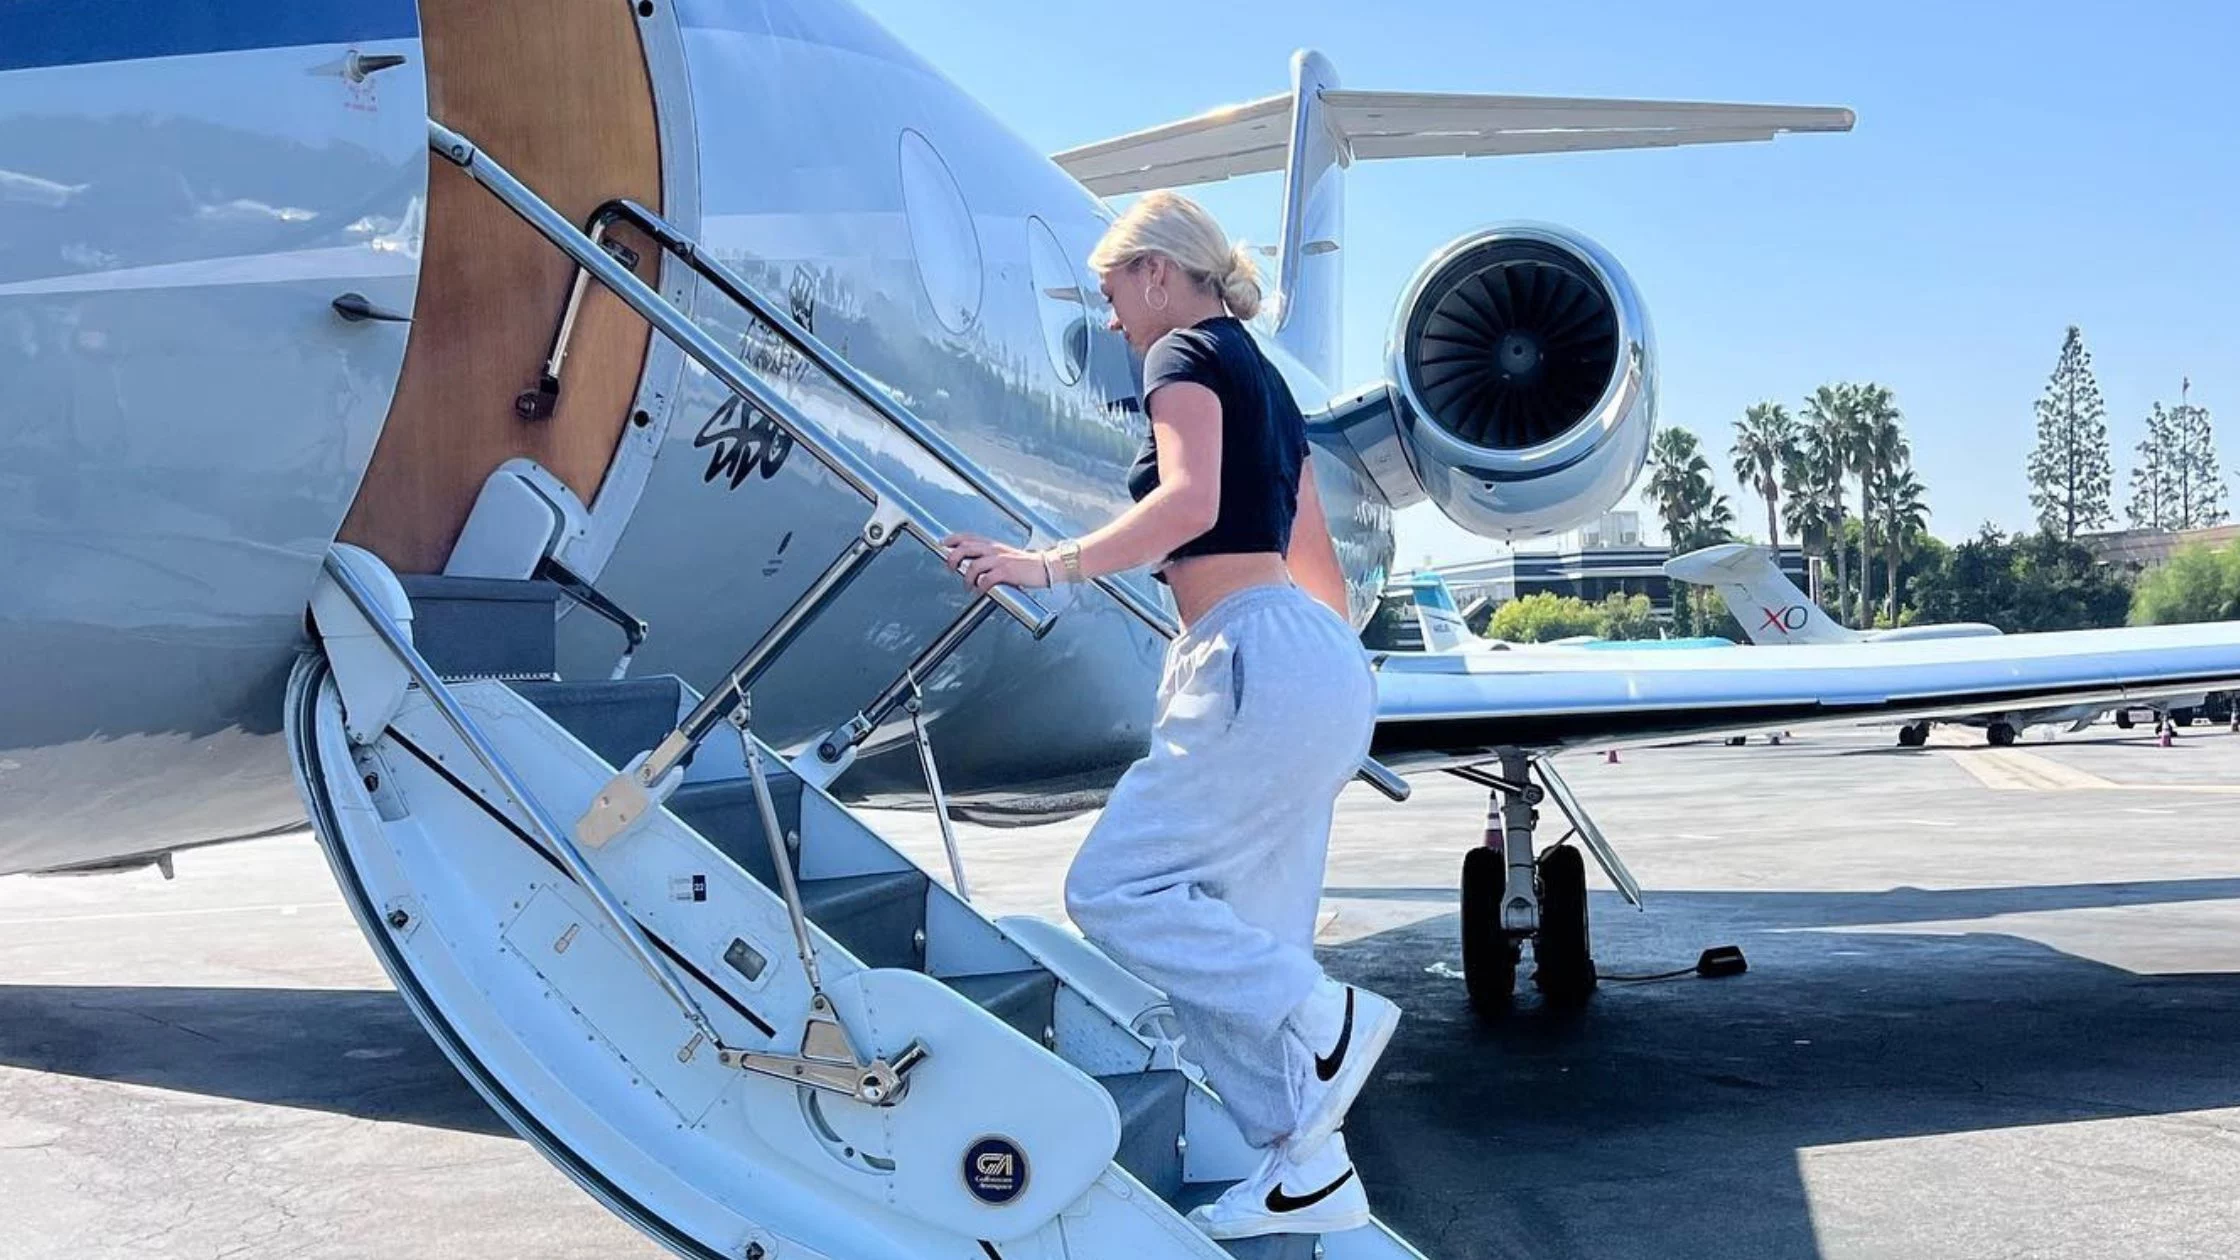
(1489, 957)
(1737, 741)
(1565, 973)
(1913, 736)
(2001, 735)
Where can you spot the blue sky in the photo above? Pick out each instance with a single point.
(2014, 170)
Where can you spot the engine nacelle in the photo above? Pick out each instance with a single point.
(1523, 387)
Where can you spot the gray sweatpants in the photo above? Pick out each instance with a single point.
(1204, 874)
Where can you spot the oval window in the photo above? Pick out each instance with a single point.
(941, 234)
(1059, 300)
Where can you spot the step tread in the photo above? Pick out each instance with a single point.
(1151, 1108)
(1026, 1000)
(483, 627)
(876, 917)
(617, 720)
(726, 815)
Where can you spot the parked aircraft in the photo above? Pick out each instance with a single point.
(1771, 610)
(344, 480)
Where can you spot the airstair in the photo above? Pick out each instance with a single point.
(674, 962)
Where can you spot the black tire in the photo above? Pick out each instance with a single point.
(1565, 973)
(2123, 720)
(2001, 735)
(1489, 957)
(1737, 741)
(1912, 736)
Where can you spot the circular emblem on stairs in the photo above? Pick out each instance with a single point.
(995, 1170)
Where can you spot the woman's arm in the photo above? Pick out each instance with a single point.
(1187, 420)
(1313, 556)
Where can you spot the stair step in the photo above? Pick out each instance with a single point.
(483, 627)
(879, 918)
(617, 720)
(1026, 1000)
(1265, 1247)
(1151, 1119)
(726, 816)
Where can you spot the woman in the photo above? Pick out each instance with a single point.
(1204, 873)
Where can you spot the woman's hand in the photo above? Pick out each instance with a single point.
(985, 563)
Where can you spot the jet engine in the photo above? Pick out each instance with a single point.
(1522, 388)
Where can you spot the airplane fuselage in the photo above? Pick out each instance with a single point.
(187, 424)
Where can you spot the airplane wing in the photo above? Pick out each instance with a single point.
(1437, 710)
(1253, 137)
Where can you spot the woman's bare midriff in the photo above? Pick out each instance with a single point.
(1200, 582)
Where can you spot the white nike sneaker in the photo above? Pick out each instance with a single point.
(1314, 1193)
(1343, 1030)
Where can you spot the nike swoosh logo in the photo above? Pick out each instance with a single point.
(1278, 1201)
(1324, 1068)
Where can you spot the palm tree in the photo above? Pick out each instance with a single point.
(1905, 518)
(1679, 484)
(1826, 442)
(1878, 446)
(1765, 444)
(1713, 522)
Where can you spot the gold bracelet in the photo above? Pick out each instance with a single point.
(1069, 556)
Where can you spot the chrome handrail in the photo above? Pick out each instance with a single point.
(593, 260)
(865, 390)
(720, 363)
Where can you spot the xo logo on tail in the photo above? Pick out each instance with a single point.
(1787, 620)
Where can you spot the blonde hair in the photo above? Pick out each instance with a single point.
(1173, 225)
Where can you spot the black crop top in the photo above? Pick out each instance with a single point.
(1263, 436)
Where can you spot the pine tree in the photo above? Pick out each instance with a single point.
(2154, 491)
(2070, 468)
(2203, 497)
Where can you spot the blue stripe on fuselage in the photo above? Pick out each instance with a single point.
(77, 32)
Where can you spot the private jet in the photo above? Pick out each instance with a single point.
(512, 437)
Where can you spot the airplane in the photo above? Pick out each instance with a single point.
(489, 439)
(1771, 610)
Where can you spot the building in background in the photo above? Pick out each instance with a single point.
(2138, 549)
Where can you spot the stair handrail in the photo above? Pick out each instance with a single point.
(742, 380)
(889, 499)
(870, 394)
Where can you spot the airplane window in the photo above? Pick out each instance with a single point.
(1058, 297)
(941, 234)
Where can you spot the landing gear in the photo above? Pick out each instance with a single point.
(1737, 741)
(1489, 955)
(2001, 734)
(1565, 973)
(1913, 735)
(1509, 896)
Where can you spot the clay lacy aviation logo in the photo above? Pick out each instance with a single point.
(1787, 620)
(995, 1170)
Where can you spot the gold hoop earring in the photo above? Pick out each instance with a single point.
(1159, 289)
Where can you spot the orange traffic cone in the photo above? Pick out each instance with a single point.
(2165, 740)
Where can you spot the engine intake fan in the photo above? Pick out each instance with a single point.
(1522, 387)
(1515, 344)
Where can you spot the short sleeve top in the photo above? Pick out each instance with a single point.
(1263, 435)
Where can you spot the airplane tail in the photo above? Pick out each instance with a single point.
(1317, 129)
(1767, 605)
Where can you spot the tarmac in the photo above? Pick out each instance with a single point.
(1991, 1011)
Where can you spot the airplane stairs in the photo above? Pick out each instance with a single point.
(1019, 1117)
